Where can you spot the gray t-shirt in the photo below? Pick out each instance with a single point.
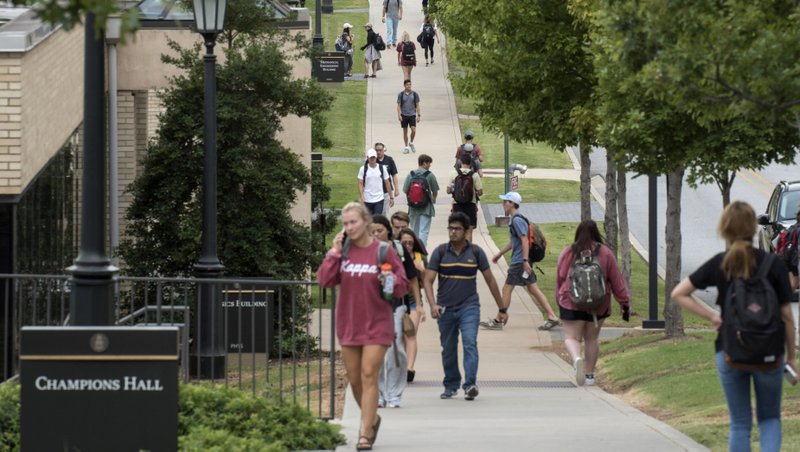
(458, 274)
(517, 227)
(408, 103)
(392, 8)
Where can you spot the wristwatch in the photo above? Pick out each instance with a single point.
(503, 310)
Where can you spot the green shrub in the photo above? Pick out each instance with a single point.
(230, 410)
(215, 418)
(9, 416)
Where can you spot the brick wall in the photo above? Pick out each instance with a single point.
(10, 124)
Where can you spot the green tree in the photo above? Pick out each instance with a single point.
(526, 65)
(258, 177)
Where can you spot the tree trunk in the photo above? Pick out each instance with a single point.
(586, 183)
(610, 224)
(673, 317)
(624, 231)
(725, 187)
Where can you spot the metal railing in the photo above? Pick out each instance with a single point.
(279, 336)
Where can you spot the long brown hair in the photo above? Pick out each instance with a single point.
(737, 225)
(586, 233)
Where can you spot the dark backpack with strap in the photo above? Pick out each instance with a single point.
(408, 53)
(786, 247)
(752, 333)
(428, 31)
(537, 243)
(379, 44)
(380, 168)
(587, 283)
(463, 187)
(418, 190)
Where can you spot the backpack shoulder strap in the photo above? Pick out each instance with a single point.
(766, 265)
(346, 247)
(364, 177)
(474, 252)
(383, 249)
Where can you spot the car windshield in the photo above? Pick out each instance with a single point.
(790, 204)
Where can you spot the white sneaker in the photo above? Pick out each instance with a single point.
(413, 148)
(590, 380)
(394, 403)
(381, 403)
(492, 324)
(406, 150)
(580, 377)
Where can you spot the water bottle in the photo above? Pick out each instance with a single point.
(387, 278)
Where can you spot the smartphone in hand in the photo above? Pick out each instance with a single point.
(789, 374)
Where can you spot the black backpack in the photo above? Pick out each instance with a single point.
(752, 332)
(380, 168)
(463, 187)
(428, 31)
(408, 52)
(379, 44)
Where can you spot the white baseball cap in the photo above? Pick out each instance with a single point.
(513, 197)
(372, 153)
(347, 25)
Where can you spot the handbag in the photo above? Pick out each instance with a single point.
(408, 326)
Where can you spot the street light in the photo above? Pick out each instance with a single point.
(208, 359)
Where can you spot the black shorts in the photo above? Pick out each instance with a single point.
(406, 121)
(569, 314)
(514, 277)
(471, 210)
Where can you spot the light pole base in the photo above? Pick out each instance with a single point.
(207, 367)
(653, 324)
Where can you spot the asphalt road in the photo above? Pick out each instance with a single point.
(700, 210)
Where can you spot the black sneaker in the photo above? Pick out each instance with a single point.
(448, 393)
(471, 393)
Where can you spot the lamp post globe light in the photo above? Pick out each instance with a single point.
(207, 360)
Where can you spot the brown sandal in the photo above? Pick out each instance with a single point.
(364, 443)
(375, 428)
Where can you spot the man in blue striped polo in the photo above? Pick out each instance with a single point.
(457, 305)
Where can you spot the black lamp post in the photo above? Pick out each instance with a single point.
(208, 357)
(91, 300)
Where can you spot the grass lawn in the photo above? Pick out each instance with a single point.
(349, 108)
(538, 155)
(534, 190)
(560, 235)
(642, 370)
(342, 178)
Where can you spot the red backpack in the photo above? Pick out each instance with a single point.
(418, 191)
(463, 187)
(786, 248)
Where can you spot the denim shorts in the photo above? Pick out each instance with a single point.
(514, 277)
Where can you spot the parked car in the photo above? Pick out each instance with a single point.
(781, 213)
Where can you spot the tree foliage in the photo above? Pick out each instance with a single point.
(526, 65)
(257, 176)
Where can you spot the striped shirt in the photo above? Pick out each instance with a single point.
(458, 273)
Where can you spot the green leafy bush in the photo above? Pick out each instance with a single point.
(248, 421)
(9, 416)
(215, 418)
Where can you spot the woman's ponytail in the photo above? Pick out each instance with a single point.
(740, 260)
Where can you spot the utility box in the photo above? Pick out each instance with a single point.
(99, 388)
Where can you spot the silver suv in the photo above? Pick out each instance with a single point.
(781, 213)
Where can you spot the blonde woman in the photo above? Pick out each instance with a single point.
(406, 55)
(364, 324)
(738, 226)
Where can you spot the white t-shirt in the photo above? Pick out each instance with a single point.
(373, 184)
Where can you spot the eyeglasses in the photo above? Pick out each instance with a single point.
(454, 229)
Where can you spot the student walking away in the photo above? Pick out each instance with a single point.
(363, 317)
(387, 162)
(427, 38)
(414, 248)
(586, 276)
(372, 54)
(409, 114)
(456, 305)
(466, 187)
(392, 15)
(755, 339)
(406, 55)
(472, 148)
(786, 249)
(524, 253)
(344, 44)
(394, 372)
(421, 189)
(373, 179)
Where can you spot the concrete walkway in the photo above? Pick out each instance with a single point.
(528, 399)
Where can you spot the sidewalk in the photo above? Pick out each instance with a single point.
(528, 398)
